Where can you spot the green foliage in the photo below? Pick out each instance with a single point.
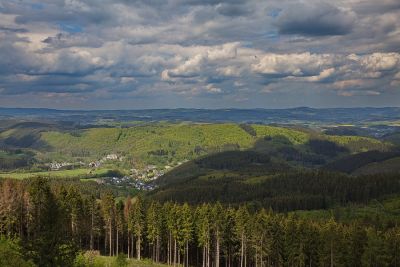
(248, 129)
(325, 147)
(359, 144)
(243, 235)
(11, 255)
(387, 166)
(353, 162)
(163, 143)
(233, 160)
(46, 246)
(269, 185)
(155, 144)
(121, 260)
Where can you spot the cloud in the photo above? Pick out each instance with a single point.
(303, 64)
(213, 52)
(207, 55)
(65, 40)
(233, 10)
(346, 84)
(314, 19)
(380, 61)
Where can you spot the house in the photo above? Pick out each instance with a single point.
(111, 157)
(94, 164)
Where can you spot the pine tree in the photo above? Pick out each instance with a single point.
(330, 251)
(136, 219)
(261, 237)
(203, 228)
(154, 228)
(217, 227)
(376, 251)
(242, 232)
(45, 244)
(108, 212)
(129, 223)
(119, 224)
(186, 230)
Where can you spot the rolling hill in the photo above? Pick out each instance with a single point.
(252, 177)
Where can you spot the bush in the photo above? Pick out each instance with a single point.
(121, 260)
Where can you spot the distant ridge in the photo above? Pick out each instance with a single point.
(296, 115)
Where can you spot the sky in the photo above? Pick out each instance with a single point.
(136, 54)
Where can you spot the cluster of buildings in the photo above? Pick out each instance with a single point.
(149, 173)
(97, 163)
(140, 179)
(55, 166)
(127, 181)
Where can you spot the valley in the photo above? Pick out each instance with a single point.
(181, 182)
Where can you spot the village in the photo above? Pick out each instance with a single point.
(138, 178)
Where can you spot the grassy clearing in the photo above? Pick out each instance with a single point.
(109, 261)
(257, 179)
(87, 259)
(70, 174)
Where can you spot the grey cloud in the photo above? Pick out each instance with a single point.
(233, 10)
(14, 30)
(210, 2)
(129, 49)
(314, 19)
(63, 40)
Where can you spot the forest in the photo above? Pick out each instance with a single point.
(51, 224)
(229, 195)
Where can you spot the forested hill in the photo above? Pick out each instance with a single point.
(270, 184)
(316, 174)
(169, 143)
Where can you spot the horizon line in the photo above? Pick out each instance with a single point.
(193, 108)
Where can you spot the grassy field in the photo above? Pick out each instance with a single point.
(109, 261)
(87, 259)
(76, 173)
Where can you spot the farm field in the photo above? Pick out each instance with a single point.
(76, 173)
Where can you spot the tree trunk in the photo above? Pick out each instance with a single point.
(256, 257)
(187, 253)
(204, 256)
(175, 252)
(128, 246)
(110, 236)
(158, 249)
(169, 250)
(245, 255)
(132, 242)
(117, 242)
(208, 253)
(217, 250)
(138, 245)
(91, 232)
(241, 250)
(105, 242)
